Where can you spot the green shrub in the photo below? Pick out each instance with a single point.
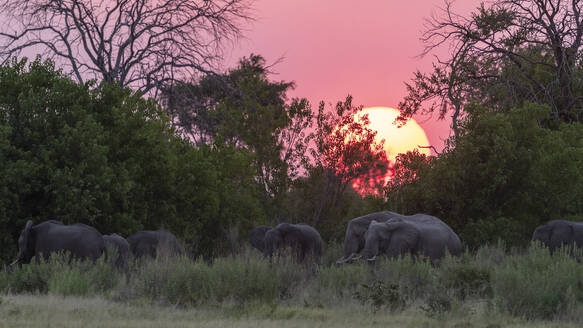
(245, 279)
(102, 276)
(413, 276)
(186, 282)
(28, 278)
(292, 276)
(70, 281)
(437, 304)
(342, 280)
(378, 295)
(538, 285)
(465, 277)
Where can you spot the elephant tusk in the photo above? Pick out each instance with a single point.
(14, 262)
(345, 259)
(372, 259)
(356, 258)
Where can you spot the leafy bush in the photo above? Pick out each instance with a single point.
(379, 295)
(69, 282)
(342, 280)
(465, 277)
(186, 282)
(414, 276)
(31, 278)
(538, 285)
(437, 304)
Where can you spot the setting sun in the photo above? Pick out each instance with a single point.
(398, 140)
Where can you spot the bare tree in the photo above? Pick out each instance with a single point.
(529, 48)
(143, 44)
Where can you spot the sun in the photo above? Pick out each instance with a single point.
(397, 140)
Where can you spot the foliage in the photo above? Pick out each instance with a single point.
(377, 295)
(436, 305)
(508, 173)
(466, 278)
(533, 285)
(502, 55)
(244, 108)
(109, 158)
(344, 149)
(538, 285)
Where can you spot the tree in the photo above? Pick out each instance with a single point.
(105, 156)
(345, 149)
(507, 174)
(529, 50)
(142, 44)
(244, 108)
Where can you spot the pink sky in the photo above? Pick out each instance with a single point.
(332, 48)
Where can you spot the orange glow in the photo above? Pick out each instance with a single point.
(398, 140)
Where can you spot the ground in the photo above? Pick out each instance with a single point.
(57, 311)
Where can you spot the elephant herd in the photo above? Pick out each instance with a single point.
(85, 242)
(392, 234)
(381, 233)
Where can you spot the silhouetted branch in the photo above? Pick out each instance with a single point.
(138, 43)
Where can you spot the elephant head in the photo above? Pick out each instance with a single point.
(354, 239)
(257, 237)
(272, 241)
(26, 244)
(394, 237)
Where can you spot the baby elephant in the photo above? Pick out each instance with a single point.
(418, 234)
(304, 241)
(154, 243)
(557, 233)
(121, 247)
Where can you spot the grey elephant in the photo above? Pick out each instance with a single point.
(418, 234)
(557, 233)
(41, 240)
(257, 236)
(121, 247)
(154, 243)
(304, 241)
(354, 240)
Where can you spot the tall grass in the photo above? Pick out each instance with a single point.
(530, 284)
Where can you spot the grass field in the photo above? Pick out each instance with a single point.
(57, 311)
(491, 287)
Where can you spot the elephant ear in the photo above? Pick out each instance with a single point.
(404, 238)
(561, 234)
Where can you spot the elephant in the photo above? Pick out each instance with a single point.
(122, 247)
(557, 233)
(154, 243)
(418, 234)
(354, 240)
(80, 240)
(304, 241)
(256, 237)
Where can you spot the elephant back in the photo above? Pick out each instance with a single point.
(80, 240)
